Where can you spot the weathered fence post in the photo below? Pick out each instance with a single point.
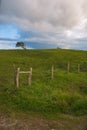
(17, 77)
(52, 74)
(30, 77)
(68, 67)
(78, 68)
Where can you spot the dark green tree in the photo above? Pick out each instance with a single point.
(20, 44)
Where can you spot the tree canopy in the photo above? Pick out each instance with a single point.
(20, 44)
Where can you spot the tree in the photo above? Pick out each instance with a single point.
(20, 44)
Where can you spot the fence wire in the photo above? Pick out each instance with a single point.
(7, 73)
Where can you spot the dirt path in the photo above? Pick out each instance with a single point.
(36, 123)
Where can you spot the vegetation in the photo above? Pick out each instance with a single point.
(66, 93)
(20, 44)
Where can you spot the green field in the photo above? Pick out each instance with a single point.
(65, 94)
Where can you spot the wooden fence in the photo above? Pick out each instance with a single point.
(52, 71)
(18, 72)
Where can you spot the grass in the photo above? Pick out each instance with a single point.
(66, 93)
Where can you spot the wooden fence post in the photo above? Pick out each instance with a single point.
(30, 77)
(17, 77)
(52, 74)
(78, 68)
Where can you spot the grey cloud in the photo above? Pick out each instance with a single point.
(44, 14)
(65, 20)
(85, 8)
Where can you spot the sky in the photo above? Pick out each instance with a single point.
(43, 24)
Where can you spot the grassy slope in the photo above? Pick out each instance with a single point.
(66, 93)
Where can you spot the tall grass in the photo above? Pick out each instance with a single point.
(66, 93)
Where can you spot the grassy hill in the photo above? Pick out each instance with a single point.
(65, 94)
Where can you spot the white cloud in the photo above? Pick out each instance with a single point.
(66, 19)
(44, 15)
(10, 45)
(6, 45)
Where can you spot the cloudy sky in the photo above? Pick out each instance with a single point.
(43, 23)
